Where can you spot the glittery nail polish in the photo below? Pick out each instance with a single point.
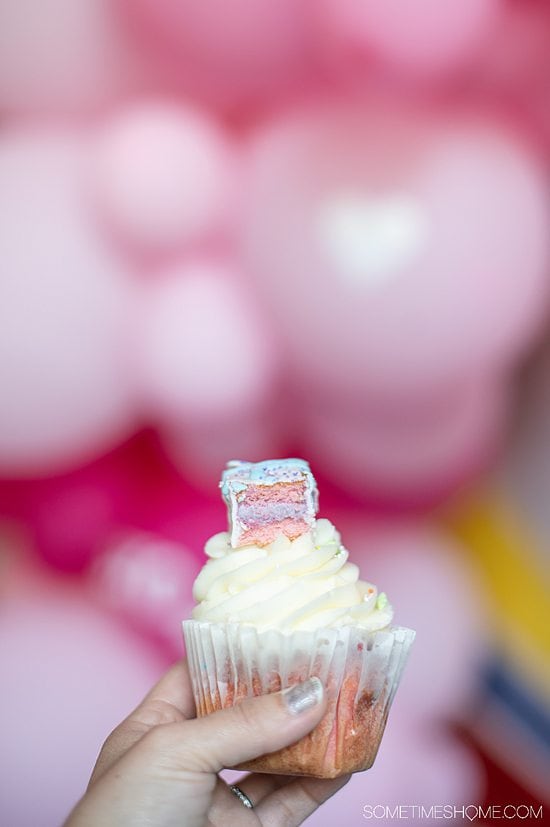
(303, 696)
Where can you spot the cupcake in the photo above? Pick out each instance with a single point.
(277, 602)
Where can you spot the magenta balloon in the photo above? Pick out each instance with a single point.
(162, 175)
(69, 676)
(426, 37)
(415, 458)
(71, 516)
(399, 250)
(202, 352)
(64, 302)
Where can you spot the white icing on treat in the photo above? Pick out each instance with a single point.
(306, 584)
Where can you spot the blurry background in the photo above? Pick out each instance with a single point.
(250, 229)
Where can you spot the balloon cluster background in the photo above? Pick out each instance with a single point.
(302, 227)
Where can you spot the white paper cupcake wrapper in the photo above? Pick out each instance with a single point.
(361, 671)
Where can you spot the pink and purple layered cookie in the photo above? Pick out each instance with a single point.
(269, 498)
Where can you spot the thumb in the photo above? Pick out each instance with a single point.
(254, 727)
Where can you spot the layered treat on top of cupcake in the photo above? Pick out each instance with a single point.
(279, 601)
(265, 499)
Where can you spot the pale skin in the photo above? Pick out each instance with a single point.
(160, 766)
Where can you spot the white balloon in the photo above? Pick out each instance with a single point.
(64, 302)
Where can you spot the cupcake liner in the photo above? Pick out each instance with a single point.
(360, 670)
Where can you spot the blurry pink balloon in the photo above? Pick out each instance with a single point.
(69, 676)
(58, 54)
(516, 60)
(412, 771)
(228, 51)
(426, 37)
(514, 67)
(399, 250)
(148, 581)
(200, 453)
(70, 516)
(435, 591)
(64, 302)
(203, 354)
(162, 174)
(394, 454)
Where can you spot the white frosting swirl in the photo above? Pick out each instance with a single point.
(303, 584)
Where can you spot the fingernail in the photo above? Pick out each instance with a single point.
(303, 696)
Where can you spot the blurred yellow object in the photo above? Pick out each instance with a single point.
(516, 581)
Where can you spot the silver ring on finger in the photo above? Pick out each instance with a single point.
(243, 798)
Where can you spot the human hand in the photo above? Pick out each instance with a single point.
(159, 767)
